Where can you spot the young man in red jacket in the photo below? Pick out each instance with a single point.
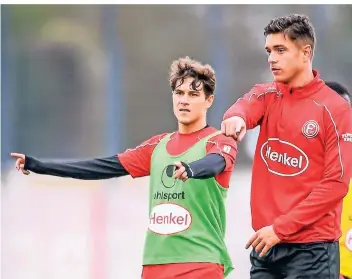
(185, 236)
(302, 164)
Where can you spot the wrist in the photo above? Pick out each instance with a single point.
(30, 163)
(189, 170)
(278, 234)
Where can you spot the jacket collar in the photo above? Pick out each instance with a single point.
(304, 91)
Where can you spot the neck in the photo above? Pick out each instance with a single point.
(191, 128)
(302, 79)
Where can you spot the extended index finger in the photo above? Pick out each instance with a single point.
(17, 155)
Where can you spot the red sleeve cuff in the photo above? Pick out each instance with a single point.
(235, 112)
(285, 227)
(279, 235)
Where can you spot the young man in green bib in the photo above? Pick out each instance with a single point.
(189, 170)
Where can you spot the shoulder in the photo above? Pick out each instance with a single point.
(222, 139)
(155, 139)
(265, 89)
(330, 101)
(149, 143)
(217, 135)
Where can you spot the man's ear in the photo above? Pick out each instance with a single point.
(210, 100)
(307, 53)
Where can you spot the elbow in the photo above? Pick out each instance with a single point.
(337, 186)
(343, 186)
(213, 174)
(344, 189)
(340, 189)
(216, 171)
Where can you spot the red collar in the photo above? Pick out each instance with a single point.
(305, 91)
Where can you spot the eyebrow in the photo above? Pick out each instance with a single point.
(190, 91)
(275, 46)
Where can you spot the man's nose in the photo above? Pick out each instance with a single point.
(272, 59)
(184, 99)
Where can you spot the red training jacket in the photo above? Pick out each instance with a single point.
(303, 159)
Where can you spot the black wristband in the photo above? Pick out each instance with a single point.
(171, 168)
(30, 163)
(188, 169)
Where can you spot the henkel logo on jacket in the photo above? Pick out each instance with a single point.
(169, 218)
(283, 158)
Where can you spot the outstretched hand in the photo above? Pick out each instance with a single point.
(21, 158)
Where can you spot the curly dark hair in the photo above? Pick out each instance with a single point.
(185, 67)
(297, 27)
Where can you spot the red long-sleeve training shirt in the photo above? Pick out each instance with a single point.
(303, 159)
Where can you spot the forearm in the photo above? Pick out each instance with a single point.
(237, 109)
(93, 169)
(328, 194)
(249, 112)
(207, 167)
(250, 107)
(322, 200)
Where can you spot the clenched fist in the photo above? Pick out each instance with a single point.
(179, 170)
(234, 127)
(21, 158)
(182, 170)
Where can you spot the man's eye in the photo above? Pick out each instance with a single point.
(280, 50)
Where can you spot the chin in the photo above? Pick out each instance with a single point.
(280, 79)
(185, 121)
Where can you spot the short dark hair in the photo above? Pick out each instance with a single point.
(339, 88)
(185, 67)
(297, 27)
